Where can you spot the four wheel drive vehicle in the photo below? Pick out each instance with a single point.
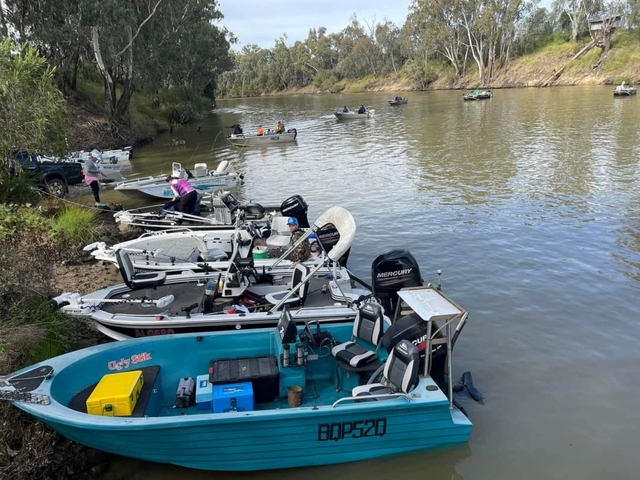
(55, 177)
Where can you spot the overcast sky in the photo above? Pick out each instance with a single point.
(262, 22)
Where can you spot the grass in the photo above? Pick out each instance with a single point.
(75, 225)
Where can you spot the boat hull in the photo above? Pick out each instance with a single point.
(158, 188)
(323, 430)
(262, 140)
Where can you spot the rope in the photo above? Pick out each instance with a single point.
(64, 200)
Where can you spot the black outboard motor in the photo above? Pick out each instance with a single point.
(295, 206)
(413, 328)
(392, 271)
(328, 236)
(253, 211)
(230, 202)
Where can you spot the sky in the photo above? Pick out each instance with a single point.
(262, 22)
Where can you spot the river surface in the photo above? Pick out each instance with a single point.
(530, 205)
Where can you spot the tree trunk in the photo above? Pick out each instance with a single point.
(122, 107)
(109, 87)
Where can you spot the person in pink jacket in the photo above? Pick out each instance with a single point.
(184, 191)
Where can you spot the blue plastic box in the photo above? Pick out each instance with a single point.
(204, 392)
(233, 397)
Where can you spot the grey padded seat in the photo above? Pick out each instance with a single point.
(137, 280)
(365, 339)
(298, 298)
(400, 373)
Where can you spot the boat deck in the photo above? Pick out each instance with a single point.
(190, 293)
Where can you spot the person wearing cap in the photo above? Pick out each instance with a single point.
(303, 251)
(92, 173)
(184, 191)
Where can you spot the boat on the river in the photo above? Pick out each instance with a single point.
(478, 95)
(269, 138)
(213, 211)
(270, 398)
(397, 101)
(240, 292)
(624, 90)
(354, 114)
(201, 178)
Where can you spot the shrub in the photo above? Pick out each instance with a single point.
(75, 226)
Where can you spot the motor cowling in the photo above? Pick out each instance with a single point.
(392, 271)
(411, 327)
(328, 236)
(295, 206)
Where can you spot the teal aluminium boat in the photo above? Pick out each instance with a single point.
(269, 398)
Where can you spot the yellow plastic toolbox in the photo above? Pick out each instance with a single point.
(116, 394)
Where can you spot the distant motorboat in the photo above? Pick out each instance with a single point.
(353, 114)
(398, 101)
(248, 140)
(478, 95)
(624, 91)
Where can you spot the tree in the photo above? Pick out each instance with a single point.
(32, 108)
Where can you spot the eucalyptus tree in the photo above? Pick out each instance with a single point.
(387, 37)
(58, 29)
(436, 28)
(576, 12)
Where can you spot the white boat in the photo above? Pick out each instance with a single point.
(212, 211)
(247, 140)
(158, 303)
(202, 178)
(398, 101)
(624, 90)
(118, 158)
(262, 239)
(353, 114)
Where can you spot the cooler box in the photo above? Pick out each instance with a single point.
(262, 372)
(116, 394)
(233, 397)
(204, 392)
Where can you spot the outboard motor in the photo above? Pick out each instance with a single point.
(295, 206)
(328, 236)
(253, 211)
(411, 327)
(392, 271)
(230, 202)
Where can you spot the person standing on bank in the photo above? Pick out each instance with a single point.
(303, 251)
(184, 191)
(91, 175)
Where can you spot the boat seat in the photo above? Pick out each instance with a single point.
(200, 170)
(299, 297)
(367, 330)
(400, 373)
(137, 280)
(280, 234)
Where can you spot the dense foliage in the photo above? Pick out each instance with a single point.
(463, 35)
(150, 45)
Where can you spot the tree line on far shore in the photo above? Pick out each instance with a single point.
(465, 36)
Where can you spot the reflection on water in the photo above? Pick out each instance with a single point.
(529, 204)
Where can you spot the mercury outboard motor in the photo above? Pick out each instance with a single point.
(392, 271)
(295, 206)
(328, 236)
(411, 327)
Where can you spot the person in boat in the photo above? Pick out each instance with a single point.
(397, 99)
(237, 129)
(476, 92)
(92, 174)
(345, 109)
(260, 131)
(185, 192)
(362, 109)
(279, 128)
(303, 251)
